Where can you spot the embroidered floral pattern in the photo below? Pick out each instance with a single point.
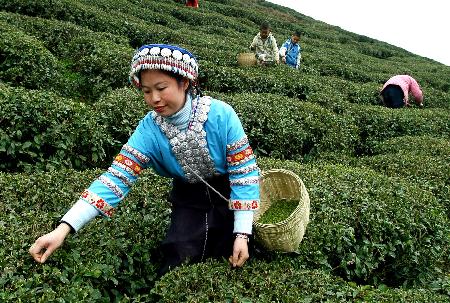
(97, 202)
(244, 204)
(251, 157)
(123, 161)
(240, 157)
(190, 146)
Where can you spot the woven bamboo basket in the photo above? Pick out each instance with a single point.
(246, 59)
(285, 236)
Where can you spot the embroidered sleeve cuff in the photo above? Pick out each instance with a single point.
(98, 202)
(243, 204)
(80, 214)
(243, 220)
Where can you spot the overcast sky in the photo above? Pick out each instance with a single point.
(421, 27)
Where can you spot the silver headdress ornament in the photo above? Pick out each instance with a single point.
(164, 57)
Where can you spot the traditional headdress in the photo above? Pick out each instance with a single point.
(164, 57)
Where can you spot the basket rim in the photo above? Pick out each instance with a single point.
(296, 210)
(246, 54)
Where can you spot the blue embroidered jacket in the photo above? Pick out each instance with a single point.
(213, 143)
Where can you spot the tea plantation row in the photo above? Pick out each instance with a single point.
(41, 130)
(378, 179)
(360, 244)
(83, 57)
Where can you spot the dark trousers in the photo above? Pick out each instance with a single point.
(201, 223)
(393, 96)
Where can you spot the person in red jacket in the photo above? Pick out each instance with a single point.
(395, 92)
(192, 3)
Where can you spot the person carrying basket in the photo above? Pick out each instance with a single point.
(196, 140)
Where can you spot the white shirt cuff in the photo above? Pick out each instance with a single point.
(243, 220)
(80, 214)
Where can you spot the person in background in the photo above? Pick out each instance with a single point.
(290, 51)
(265, 46)
(196, 140)
(192, 3)
(395, 92)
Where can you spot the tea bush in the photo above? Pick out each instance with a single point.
(117, 259)
(282, 128)
(370, 228)
(88, 64)
(367, 93)
(54, 34)
(380, 217)
(214, 282)
(155, 12)
(240, 12)
(414, 167)
(97, 19)
(422, 145)
(42, 131)
(120, 111)
(250, 79)
(104, 262)
(421, 160)
(435, 98)
(377, 124)
(103, 65)
(24, 61)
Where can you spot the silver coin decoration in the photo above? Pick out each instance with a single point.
(190, 147)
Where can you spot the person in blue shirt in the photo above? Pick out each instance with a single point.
(196, 140)
(291, 52)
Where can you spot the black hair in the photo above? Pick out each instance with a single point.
(265, 25)
(297, 33)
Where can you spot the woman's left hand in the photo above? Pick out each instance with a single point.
(240, 252)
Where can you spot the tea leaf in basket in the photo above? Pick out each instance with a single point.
(278, 211)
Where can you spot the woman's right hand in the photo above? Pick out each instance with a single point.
(45, 245)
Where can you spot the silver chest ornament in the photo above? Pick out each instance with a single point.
(190, 147)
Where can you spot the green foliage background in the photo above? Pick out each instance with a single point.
(378, 178)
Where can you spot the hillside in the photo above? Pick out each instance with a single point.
(378, 178)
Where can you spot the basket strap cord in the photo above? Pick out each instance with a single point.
(206, 183)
